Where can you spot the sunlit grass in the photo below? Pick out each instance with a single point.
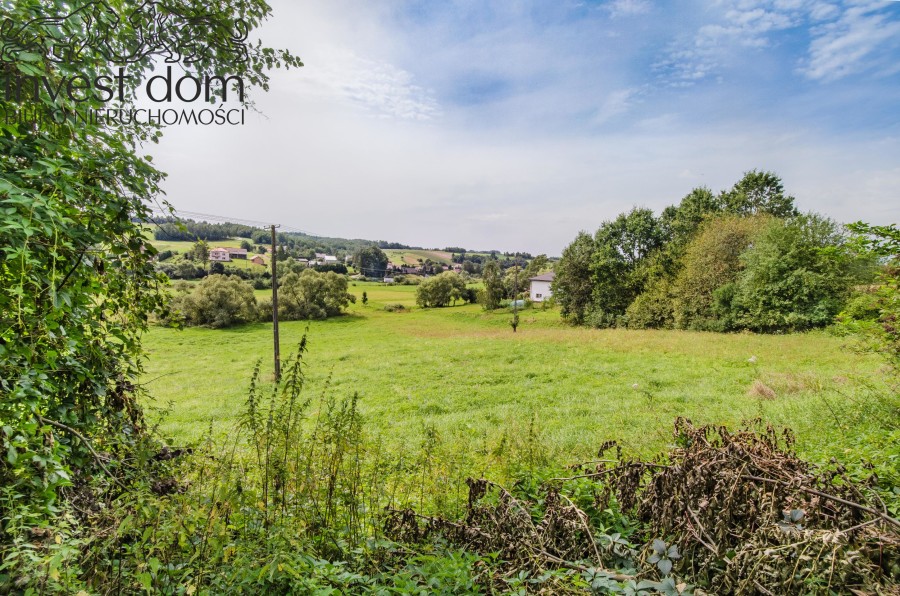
(466, 373)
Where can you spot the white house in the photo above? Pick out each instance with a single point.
(219, 254)
(540, 286)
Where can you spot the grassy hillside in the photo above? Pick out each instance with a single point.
(464, 373)
(411, 256)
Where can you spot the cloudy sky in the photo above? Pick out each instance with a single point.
(515, 124)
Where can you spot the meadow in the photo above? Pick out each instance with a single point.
(463, 373)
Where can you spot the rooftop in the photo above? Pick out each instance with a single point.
(543, 277)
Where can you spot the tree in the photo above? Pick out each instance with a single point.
(797, 275)
(217, 301)
(618, 267)
(572, 286)
(874, 316)
(758, 192)
(493, 285)
(371, 261)
(365, 298)
(313, 295)
(440, 290)
(536, 266)
(200, 251)
(77, 279)
(712, 261)
(680, 224)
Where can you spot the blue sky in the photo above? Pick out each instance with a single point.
(515, 124)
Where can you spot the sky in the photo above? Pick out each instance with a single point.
(514, 124)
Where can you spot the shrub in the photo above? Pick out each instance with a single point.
(711, 260)
(217, 301)
(440, 290)
(313, 295)
(394, 307)
(653, 308)
(797, 275)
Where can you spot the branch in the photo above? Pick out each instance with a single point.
(812, 491)
(610, 471)
(86, 443)
(563, 563)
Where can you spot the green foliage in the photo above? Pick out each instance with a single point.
(493, 291)
(77, 282)
(680, 223)
(199, 252)
(654, 307)
(440, 290)
(796, 276)
(370, 261)
(758, 192)
(312, 295)
(618, 267)
(572, 286)
(711, 261)
(696, 267)
(217, 301)
(874, 314)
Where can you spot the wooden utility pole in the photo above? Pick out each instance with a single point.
(515, 320)
(275, 305)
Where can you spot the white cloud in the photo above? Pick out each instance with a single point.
(846, 38)
(627, 8)
(850, 44)
(377, 87)
(617, 103)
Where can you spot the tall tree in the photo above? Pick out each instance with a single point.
(371, 261)
(572, 286)
(619, 269)
(492, 279)
(758, 192)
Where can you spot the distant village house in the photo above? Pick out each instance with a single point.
(225, 254)
(540, 286)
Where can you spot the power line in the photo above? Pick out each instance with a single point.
(213, 218)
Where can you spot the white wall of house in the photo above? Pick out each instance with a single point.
(219, 255)
(540, 291)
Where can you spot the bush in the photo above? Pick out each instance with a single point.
(797, 276)
(394, 307)
(313, 295)
(654, 308)
(440, 290)
(711, 260)
(217, 301)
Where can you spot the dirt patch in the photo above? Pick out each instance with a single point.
(761, 390)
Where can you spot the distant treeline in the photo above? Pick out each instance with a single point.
(189, 230)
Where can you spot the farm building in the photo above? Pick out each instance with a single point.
(226, 253)
(540, 286)
(258, 260)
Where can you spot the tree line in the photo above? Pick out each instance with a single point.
(744, 258)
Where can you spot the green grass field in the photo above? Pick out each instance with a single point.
(465, 373)
(412, 256)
